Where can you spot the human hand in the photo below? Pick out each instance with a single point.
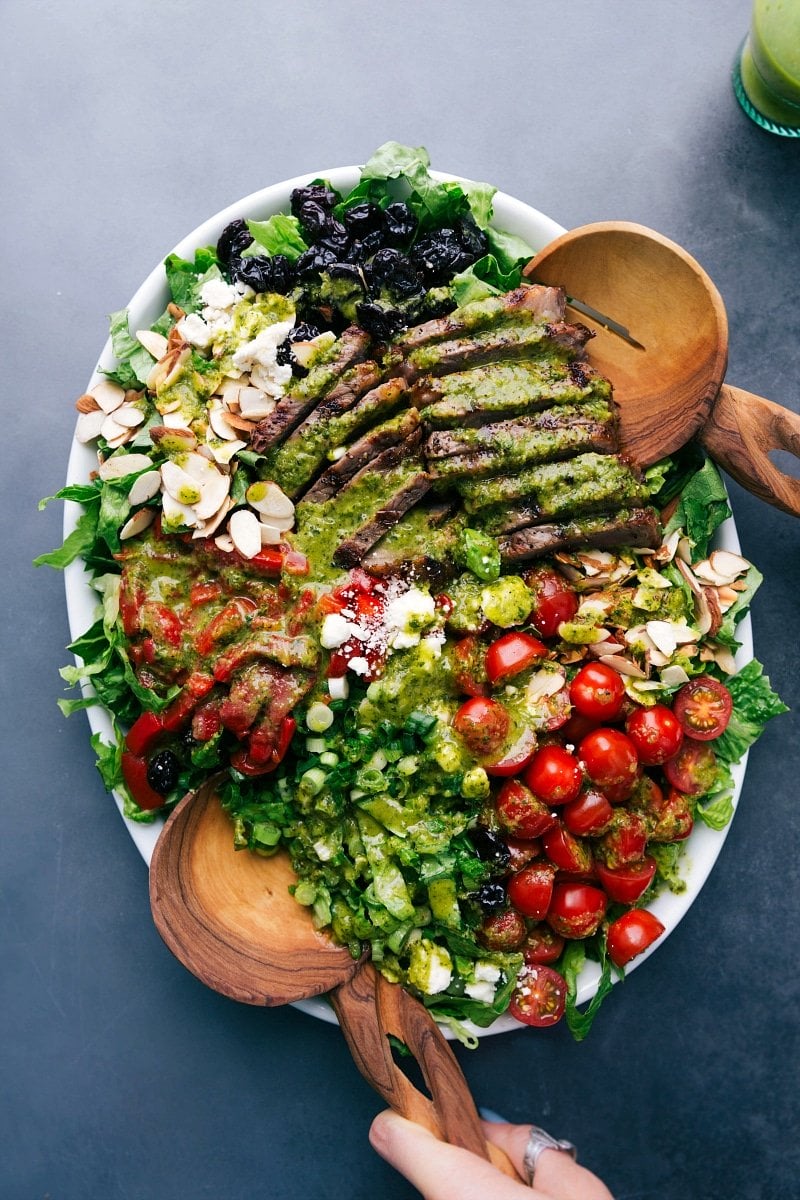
(443, 1172)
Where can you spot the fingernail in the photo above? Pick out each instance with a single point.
(494, 1118)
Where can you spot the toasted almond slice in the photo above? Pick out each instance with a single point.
(129, 415)
(87, 403)
(111, 429)
(180, 485)
(545, 683)
(143, 488)
(89, 424)
(600, 649)
(214, 491)
(175, 420)
(154, 343)
(176, 515)
(173, 440)
(108, 395)
(239, 424)
(623, 665)
(674, 675)
(229, 391)
(268, 500)
(206, 528)
(725, 562)
(121, 439)
(121, 465)
(254, 403)
(305, 351)
(224, 542)
(217, 419)
(223, 452)
(269, 534)
(245, 532)
(175, 310)
(668, 548)
(137, 523)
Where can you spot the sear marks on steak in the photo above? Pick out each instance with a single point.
(350, 552)
(536, 303)
(587, 483)
(518, 341)
(629, 527)
(422, 545)
(367, 448)
(294, 405)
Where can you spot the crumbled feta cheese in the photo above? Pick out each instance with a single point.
(193, 329)
(335, 631)
(259, 357)
(358, 665)
(407, 615)
(486, 972)
(484, 992)
(216, 293)
(431, 967)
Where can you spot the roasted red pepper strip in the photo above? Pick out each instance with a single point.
(134, 772)
(241, 761)
(225, 624)
(144, 733)
(182, 707)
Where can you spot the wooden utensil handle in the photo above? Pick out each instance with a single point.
(370, 1008)
(739, 434)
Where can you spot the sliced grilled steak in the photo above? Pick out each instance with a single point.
(390, 433)
(349, 349)
(587, 483)
(628, 527)
(287, 651)
(511, 445)
(556, 340)
(352, 550)
(534, 302)
(422, 545)
(507, 389)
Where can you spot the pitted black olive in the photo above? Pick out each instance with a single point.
(399, 223)
(234, 238)
(163, 771)
(491, 848)
(492, 897)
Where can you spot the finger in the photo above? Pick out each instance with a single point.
(437, 1170)
(557, 1175)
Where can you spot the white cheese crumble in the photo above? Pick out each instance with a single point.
(335, 631)
(407, 615)
(259, 357)
(431, 968)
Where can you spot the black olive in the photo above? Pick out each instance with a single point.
(316, 192)
(492, 897)
(471, 237)
(393, 270)
(362, 219)
(314, 260)
(162, 772)
(301, 333)
(440, 256)
(399, 223)
(234, 238)
(335, 237)
(490, 848)
(265, 273)
(314, 218)
(382, 323)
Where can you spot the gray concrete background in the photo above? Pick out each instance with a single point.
(125, 126)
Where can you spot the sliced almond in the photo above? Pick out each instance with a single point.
(137, 523)
(668, 548)
(108, 395)
(268, 500)
(173, 441)
(175, 310)
(88, 425)
(176, 514)
(180, 485)
(624, 666)
(143, 488)
(214, 492)
(213, 523)
(129, 415)
(111, 429)
(217, 419)
(121, 465)
(87, 404)
(269, 534)
(239, 424)
(245, 532)
(254, 403)
(545, 683)
(223, 452)
(224, 542)
(728, 564)
(175, 420)
(674, 676)
(154, 343)
(121, 439)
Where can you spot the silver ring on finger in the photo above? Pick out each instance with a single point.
(539, 1141)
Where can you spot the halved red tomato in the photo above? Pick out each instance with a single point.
(567, 852)
(515, 757)
(611, 762)
(624, 841)
(542, 945)
(631, 934)
(693, 769)
(520, 813)
(553, 601)
(703, 706)
(531, 889)
(540, 996)
(503, 931)
(589, 814)
(511, 654)
(627, 884)
(483, 724)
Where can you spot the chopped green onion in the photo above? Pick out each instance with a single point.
(408, 765)
(371, 779)
(319, 718)
(312, 782)
(378, 760)
(420, 723)
(327, 758)
(316, 745)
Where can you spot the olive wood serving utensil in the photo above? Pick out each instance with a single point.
(670, 387)
(228, 916)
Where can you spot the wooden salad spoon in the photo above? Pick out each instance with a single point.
(228, 916)
(670, 386)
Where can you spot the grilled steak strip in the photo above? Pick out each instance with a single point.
(390, 433)
(556, 340)
(508, 389)
(421, 545)
(589, 482)
(512, 445)
(290, 410)
(353, 404)
(536, 303)
(352, 550)
(628, 527)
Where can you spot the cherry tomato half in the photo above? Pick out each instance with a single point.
(520, 813)
(512, 653)
(626, 884)
(503, 931)
(469, 671)
(531, 889)
(553, 601)
(631, 934)
(703, 706)
(567, 852)
(554, 775)
(576, 909)
(483, 724)
(611, 762)
(513, 758)
(656, 733)
(542, 945)
(693, 769)
(589, 815)
(540, 996)
(597, 692)
(624, 841)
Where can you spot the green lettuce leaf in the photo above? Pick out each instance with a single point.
(434, 203)
(135, 363)
(76, 545)
(718, 812)
(186, 277)
(754, 703)
(702, 508)
(726, 634)
(281, 234)
(572, 962)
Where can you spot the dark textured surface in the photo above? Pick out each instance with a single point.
(125, 126)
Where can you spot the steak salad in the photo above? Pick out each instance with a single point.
(367, 552)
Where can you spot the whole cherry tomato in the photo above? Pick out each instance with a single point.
(503, 931)
(611, 762)
(531, 889)
(483, 724)
(631, 934)
(597, 692)
(553, 600)
(511, 654)
(576, 909)
(554, 775)
(627, 884)
(540, 996)
(656, 733)
(703, 706)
